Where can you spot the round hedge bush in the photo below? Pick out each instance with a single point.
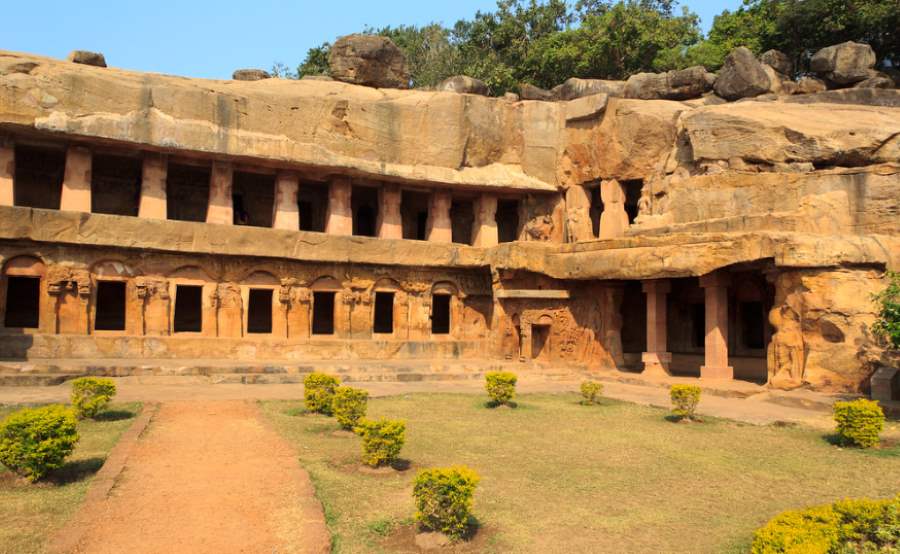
(90, 395)
(35, 441)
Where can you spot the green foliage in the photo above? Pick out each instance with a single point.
(318, 392)
(887, 326)
(349, 406)
(382, 440)
(684, 400)
(859, 422)
(590, 390)
(861, 525)
(34, 441)
(91, 394)
(501, 386)
(315, 63)
(444, 499)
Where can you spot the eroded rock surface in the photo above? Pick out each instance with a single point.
(368, 60)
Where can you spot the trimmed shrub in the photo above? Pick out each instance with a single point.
(590, 390)
(444, 499)
(318, 392)
(34, 441)
(349, 406)
(90, 395)
(859, 422)
(382, 440)
(861, 525)
(501, 386)
(684, 400)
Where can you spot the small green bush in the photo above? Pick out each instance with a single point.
(861, 525)
(349, 406)
(444, 499)
(887, 325)
(34, 441)
(590, 390)
(90, 395)
(501, 386)
(318, 392)
(382, 440)
(684, 400)
(859, 422)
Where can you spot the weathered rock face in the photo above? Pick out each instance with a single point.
(578, 88)
(810, 85)
(779, 61)
(845, 63)
(635, 137)
(877, 80)
(464, 85)
(673, 85)
(87, 58)
(742, 76)
(368, 60)
(250, 75)
(531, 92)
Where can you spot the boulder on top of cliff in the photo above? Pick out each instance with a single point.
(87, 58)
(579, 88)
(845, 63)
(464, 85)
(876, 80)
(531, 92)
(779, 61)
(742, 76)
(682, 84)
(250, 75)
(368, 60)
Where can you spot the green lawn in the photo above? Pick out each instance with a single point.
(32, 512)
(561, 477)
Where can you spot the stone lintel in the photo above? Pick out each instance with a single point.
(534, 294)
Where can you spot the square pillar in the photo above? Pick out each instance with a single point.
(614, 219)
(76, 188)
(339, 220)
(153, 188)
(7, 172)
(484, 229)
(439, 225)
(578, 214)
(287, 213)
(220, 208)
(716, 364)
(390, 224)
(656, 359)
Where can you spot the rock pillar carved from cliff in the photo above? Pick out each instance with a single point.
(578, 214)
(339, 220)
(287, 214)
(716, 365)
(153, 188)
(657, 358)
(390, 224)
(76, 188)
(7, 172)
(484, 229)
(614, 219)
(220, 209)
(439, 224)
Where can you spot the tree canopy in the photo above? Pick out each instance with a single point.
(544, 42)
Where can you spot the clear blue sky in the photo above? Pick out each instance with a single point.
(205, 38)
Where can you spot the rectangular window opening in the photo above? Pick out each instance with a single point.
(384, 312)
(187, 192)
(110, 314)
(253, 199)
(364, 202)
(440, 314)
(22, 302)
(323, 313)
(116, 185)
(188, 309)
(259, 311)
(312, 206)
(507, 220)
(38, 178)
(414, 214)
(462, 217)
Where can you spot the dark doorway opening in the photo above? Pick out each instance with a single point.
(634, 319)
(414, 215)
(632, 196)
(38, 177)
(323, 313)
(259, 311)
(507, 220)
(188, 309)
(23, 300)
(110, 314)
(384, 312)
(364, 201)
(440, 314)
(187, 192)
(312, 206)
(116, 185)
(540, 341)
(462, 217)
(596, 210)
(698, 325)
(753, 325)
(253, 199)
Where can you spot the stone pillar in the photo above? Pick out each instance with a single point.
(716, 363)
(657, 358)
(287, 214)
(153, 188)
(7, 172)
(578, 214)
(614, 219)
(339, 220)
(439, 225)
(76, 188)
(220, 209)
(484, 229)
(390, 224)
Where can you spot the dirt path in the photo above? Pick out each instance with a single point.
(206, 476)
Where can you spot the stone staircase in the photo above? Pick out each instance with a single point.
(54, 372)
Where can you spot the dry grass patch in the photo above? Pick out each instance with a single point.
(31, 512)
(561, 477)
